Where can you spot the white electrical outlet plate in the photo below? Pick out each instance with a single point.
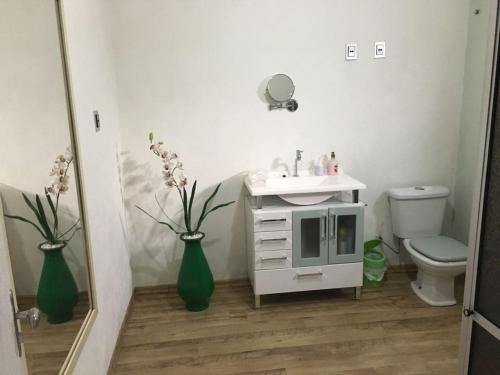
(351, 51)
(379, 50)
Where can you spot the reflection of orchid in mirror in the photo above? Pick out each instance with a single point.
(173, 174)
(60, 173)
(50, 231)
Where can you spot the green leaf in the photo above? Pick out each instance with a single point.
(72, 234)
(158, 221)
(54, 212)
(165, 213)
(191, 200)
(70, 228)
(369, 245)
(43, 219)
(27, 221)
(32, 206)
(212, 210)
(205, 206)
(151, 137)
(185, 207)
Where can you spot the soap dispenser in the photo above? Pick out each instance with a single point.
(332, 166)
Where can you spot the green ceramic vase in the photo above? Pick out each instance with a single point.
(57, 292)
(195, 283)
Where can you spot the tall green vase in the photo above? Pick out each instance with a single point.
(57, 292)
(195, 283)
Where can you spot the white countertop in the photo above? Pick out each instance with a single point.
(276, 185)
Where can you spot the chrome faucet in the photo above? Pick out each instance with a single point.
(298, 157)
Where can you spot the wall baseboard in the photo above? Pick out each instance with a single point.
(164, 287)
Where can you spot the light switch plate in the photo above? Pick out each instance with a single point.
(351, 51)
(379, 50)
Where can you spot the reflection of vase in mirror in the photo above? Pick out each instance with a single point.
(57, 292)
(34, 129)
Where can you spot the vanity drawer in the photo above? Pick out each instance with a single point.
(268, 221)
(308, 278)
(279, 240)
(267, 260)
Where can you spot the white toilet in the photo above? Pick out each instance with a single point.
(417, 217)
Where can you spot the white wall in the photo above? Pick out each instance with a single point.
(93, 87)
(190, 71)
(34, 129)
(476, 85)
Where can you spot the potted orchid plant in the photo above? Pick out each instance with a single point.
(57, 292)
(195, 282)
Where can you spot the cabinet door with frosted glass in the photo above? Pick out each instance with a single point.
(345, 234)
(310, 240)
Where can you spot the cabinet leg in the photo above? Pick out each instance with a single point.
(357, 292)
(257, 301)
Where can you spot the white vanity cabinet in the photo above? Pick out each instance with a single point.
(297, 248)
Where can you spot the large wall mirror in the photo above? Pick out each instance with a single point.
(39, 186)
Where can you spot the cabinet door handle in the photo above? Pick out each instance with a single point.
(272, 220)
(332, 226)
(323, 227)
(319, 273)
(273, 239)
(272, 258)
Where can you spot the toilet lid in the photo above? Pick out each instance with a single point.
(440, 248)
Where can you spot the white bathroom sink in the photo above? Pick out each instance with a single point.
(299, 182)
(303, 190)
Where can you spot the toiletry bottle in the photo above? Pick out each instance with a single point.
(332, 166)
(319, 167)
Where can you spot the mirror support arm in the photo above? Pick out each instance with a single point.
(291, 105)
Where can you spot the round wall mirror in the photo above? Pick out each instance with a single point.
(280, 88)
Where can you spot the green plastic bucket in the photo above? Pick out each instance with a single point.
(373, 268)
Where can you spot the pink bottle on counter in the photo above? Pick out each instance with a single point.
(332, 166)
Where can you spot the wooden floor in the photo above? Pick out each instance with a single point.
(388, 331)
(48, 345)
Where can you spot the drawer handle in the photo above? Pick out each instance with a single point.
(272, 220)
(319, 273)
(273, 258)
(273, 239)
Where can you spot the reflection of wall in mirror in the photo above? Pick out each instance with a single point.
(34, 129)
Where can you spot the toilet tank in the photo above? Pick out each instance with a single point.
(418, 211)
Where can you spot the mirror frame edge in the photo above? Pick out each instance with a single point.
(80, 339)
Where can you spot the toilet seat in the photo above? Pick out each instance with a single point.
(440, 249)
(435, 279)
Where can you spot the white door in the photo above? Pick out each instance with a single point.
(481, 322)
(11, 362)
(480, 346)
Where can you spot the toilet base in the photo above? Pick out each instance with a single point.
(435, 290)
(435, 283)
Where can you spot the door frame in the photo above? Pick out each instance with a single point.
(488, 114)
(17, 348)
